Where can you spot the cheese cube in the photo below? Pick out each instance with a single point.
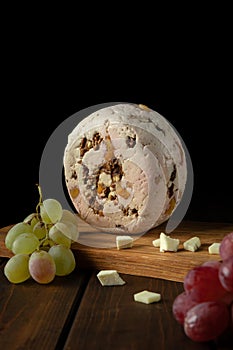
(156, 242)
(124, 242)
(110, 278)
(147, 297)
(214, 248)
(168, 244)
(192, 244)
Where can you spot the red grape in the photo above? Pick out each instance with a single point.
(226, 274)
(206, 321)
(182, 303)
(227, 298)
(202, 282)
(205, 308)
(213, 263)
(231, 316)
(226, 246)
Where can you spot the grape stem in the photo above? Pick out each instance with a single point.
(46, 238)
(40, 199)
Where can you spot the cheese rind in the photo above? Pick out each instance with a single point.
(147, 297)
(110, 278)
(124, 242)
(214, 248)
(192, 244)
(125, 169)
(168, 244)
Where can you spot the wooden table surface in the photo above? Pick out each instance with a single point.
(77, 312)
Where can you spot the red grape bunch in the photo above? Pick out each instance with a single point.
(205, 307)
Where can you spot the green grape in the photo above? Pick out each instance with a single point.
(47, 243)
(69, 216)
(32, 219)
(64, 259)
(15, 231)
(39, 230)
(25, 243)
(50, 211)
(58, 237)
(68, 229)
(42, 267)
(16, 269)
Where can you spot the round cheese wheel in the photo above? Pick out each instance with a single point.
(125, 169)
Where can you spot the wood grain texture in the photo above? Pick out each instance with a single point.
(109, 318)
(4, 252)
(143, 259)
(35, 316)
(77, 312)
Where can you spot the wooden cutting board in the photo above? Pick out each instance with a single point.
(98, 251)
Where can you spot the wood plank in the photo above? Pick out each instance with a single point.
(109, 318)
(143, 259)
(34, 316)
(4, 252)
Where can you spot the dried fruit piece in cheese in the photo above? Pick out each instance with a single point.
(214, 248)
(192, 244)
(168, 244)
(147, 297)
(124, 242)
(110, 278)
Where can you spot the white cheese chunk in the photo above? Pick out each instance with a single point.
(110, 278)
(123, 242)
(147, 297)
(214, 248)
(168, 244)
(105, 179)
(192, 244)
(156, 242)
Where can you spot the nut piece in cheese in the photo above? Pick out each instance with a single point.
(147, 297)
(110, 278)
(214, 248)
(124, 242)
(192, 244)
(168, 244)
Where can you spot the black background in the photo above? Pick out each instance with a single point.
(183, 72)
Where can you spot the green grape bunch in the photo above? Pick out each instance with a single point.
(41, 243)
